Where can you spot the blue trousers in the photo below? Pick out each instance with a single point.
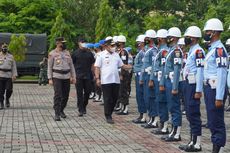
(215, 117)
(163, 108)
(149, 97)
(192, 109)
(140, 95)
(173, 104)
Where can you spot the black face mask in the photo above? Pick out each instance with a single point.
(156, 42)
(169, 41)
(64, 46)
(147, 42)
(208, 37)
(4, 50)
(187, 41)
(228, 48)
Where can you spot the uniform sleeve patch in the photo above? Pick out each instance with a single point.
(220, 52)
(164, 53)
(199, 54)
(177, 53)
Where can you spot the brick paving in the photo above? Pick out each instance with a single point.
(28, 126)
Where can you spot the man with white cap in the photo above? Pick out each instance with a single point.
(173, 66)
(138, 63)
(215, 76)
(149, 95)
(193, 74)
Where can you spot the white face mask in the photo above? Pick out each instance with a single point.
(113, 49)
(83, 45)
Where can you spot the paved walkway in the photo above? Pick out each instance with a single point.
(28, 126)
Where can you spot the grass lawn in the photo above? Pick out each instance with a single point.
(28, 77)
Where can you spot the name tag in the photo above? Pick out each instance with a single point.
(191, 78)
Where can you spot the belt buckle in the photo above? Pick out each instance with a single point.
(166, 76)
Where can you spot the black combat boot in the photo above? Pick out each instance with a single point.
(138, 120)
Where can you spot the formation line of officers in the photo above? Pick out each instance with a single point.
(162, 69)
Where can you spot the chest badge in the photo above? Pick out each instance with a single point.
(1, 62)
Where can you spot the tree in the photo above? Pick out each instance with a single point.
(17, 47)
(105, 21)
(60, 29)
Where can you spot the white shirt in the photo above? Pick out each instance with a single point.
(109, 63)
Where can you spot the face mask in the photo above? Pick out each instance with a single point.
(64, 46)
(4, 50)
(169, 41)
(113, 49)
(187, 41)
(208, 37)
(228, 48)
(147, 42)
(156, 42)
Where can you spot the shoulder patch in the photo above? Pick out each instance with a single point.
(164, 53)
(177, 53)
(199, 53)
(220, 52)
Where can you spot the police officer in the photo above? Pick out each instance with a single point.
(215, 75)
(138, 63)
(124, 75)
(83, 60)
(8, 73)
(172, 74)
(43, 79)
(157, 77)
(60, 74)
(193, 74)
(130, 62)
(107, 75)
(149, 95)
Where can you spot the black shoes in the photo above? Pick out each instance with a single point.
(80, 114)
(109, 120)
(189, 148)
(160, 132)
(57, 118)
(62, 114)
(122, 113)
(172, 139)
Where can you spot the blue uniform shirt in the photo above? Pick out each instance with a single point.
(173, 65)
(156, 66)
(138, 62)
(148, 59)
(195, 65)
(164, 52)
(215, 66)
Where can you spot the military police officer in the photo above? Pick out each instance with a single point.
(8, 73)
(193, 74)
(161, 95)
(172, 74)
(138, 62)
(149, 95)
(60, 74)
(215, 75)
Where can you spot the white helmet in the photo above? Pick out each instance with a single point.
(140, 38)
(174, 32)
(115, 38)
(121, 38)
(150, 33)
(162, 33)
(228, 42)
(213, 24)
(108, 38)
(181, 41)
(193, 31)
